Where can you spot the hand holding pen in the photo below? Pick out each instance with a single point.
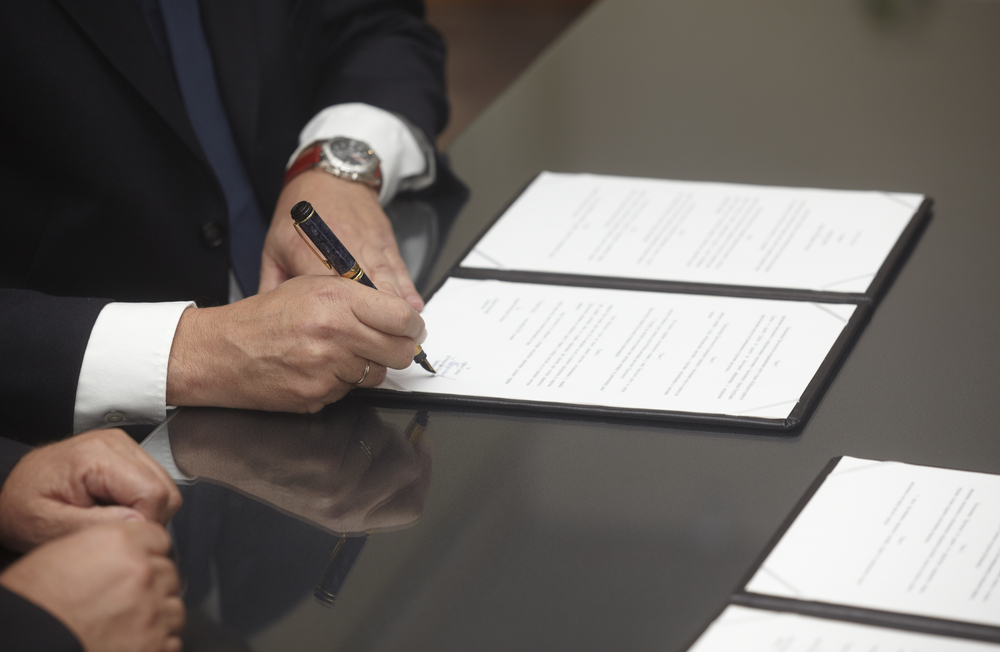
(333, 254)
(295, 348)
(353, 212)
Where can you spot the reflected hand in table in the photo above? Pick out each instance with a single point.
(348, 549)
(344, 469)
(273, 494)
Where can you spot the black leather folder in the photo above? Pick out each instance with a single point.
(844, 613)
(865, 303)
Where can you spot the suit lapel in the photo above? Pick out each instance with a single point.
(120, 32)
(231, 32)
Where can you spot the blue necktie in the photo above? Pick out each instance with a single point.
(196, 77)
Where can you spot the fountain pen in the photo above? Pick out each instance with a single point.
(335, 256)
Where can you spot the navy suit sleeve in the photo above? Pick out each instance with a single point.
(386, 55)
(42, 342)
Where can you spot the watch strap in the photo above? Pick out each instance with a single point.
(312, 156)
(307, 160)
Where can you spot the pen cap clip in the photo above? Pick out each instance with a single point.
(302, 235)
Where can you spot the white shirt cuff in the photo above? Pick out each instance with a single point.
(123, 380)
(389, 137)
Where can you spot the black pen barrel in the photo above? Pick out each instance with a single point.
(326, 242)
(342, 559)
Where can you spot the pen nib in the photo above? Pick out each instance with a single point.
(421, 359)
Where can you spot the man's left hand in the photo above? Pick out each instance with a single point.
(353, 213)
(97, 477)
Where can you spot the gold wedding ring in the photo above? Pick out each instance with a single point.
(368, 366)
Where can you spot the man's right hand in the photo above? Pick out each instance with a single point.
(111, 585)
(294, 349)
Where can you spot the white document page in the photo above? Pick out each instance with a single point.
(731, 234)
(755, 630)
(622, 348)
(894, 537)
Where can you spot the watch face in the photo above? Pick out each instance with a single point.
(351, 155)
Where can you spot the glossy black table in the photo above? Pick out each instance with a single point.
(495, 531)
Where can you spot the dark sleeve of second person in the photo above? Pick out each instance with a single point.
(42, 342)
(26, 627)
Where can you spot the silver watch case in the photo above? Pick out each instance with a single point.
(351, 159)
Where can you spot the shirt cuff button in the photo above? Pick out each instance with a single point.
(114, 417)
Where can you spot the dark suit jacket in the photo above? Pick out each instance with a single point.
(105, 189)
(24, 626)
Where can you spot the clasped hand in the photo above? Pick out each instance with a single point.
(97, 477)
(91, 510)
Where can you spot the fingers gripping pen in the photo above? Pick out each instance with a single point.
(335, 255)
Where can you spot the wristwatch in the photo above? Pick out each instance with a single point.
(342, 157)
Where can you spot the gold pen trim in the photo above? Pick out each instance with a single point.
(355, 273)
(309, 244)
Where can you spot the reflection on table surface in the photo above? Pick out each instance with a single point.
(344, 470)
(279, 506)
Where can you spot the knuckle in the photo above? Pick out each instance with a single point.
(400, 316)
(402, 354)
(313, 351)
(338, 392)
(137, 568)
(376, 375)
(143, 572)
(175, 500)
(314, 407)
(159, 493)
(313, 392)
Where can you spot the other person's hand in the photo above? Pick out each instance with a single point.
(353, 213)
(112, 585)
(95, 477)
(295, 349)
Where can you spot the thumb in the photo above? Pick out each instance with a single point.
(87, 516)
(61, 519)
